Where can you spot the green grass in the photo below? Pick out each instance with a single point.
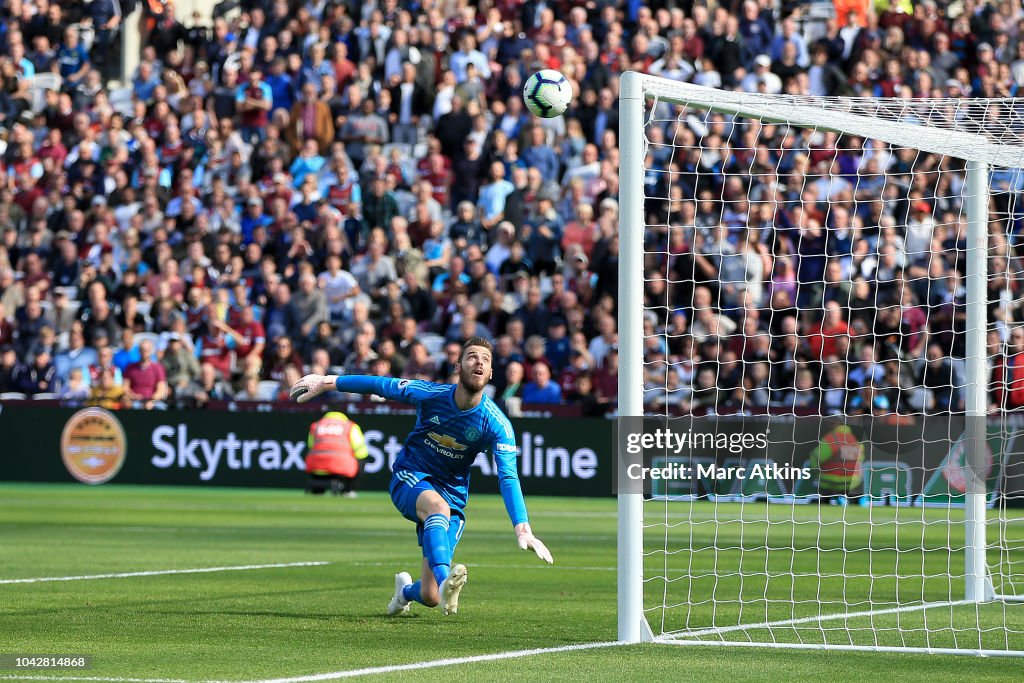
(247, 625)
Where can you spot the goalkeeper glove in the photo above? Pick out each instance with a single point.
(311, 386)
(527, 541)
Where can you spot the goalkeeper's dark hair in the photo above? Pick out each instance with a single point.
(476, 341)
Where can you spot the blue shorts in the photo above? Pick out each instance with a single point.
(406, 486)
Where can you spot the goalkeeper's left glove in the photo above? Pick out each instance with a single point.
(527, 541)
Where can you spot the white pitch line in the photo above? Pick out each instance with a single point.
(433, 664)
(93, 678)
(351, 673)
(164, 572)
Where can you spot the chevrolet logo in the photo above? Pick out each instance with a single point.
(446, 441)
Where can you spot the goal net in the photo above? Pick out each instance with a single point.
(841, 281)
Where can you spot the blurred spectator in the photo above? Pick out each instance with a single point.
(937, 376)
(281, 356)
(180, 367)
(379, 205)
(75, 388)
(513, 384)
(145, 381)
(538, 154)
(419, 364)
(541, 389)
(292, 374)
(363, 128)
(373, 271)
(824, 335)
(128, 352)
(72, 58)
(76, 356)
(250, 338)
(250, 389)
(326, 342)
(359, 360)
(105, 361)
(311, 120)
(211, 387)
(99, 315)
(409, 101)
(789, 35)
(761, 79)
(8, 366)
(254, 100)
(216, 346)
(105, 392)
(278, 321)
(36, 377)
(607, 376)
(309, 307)
(47, 341)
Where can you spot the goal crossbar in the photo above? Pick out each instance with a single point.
(863, 117)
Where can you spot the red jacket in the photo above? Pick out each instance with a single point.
(335, 446)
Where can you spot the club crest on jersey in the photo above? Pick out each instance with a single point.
(446, 441)
(435, 420)
(472, 434)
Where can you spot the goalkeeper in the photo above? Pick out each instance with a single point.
(430, 484)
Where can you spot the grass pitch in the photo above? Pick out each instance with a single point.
(258, 624)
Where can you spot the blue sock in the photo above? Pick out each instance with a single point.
(435, 546)
(412, 592)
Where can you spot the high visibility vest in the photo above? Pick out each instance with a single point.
(839, 457)
(331, 449)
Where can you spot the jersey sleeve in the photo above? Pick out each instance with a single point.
(411, 391)
(504, 450)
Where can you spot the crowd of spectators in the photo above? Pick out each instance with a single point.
(321, 185)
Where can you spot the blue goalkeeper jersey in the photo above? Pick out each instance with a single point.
(445, 441)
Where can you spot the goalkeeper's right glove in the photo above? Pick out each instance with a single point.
(527, 541)
(311, 386)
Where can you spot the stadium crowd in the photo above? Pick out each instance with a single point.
(315, 185)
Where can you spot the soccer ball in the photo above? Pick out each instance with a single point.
(547, 93)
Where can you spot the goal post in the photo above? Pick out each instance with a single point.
(813, 267)
(977, 585)
(632, 627)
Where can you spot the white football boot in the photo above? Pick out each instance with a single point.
(452, 587)
(398, 604)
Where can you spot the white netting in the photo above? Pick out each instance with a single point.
(800, 272)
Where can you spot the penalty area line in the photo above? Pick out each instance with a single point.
(165, 572)
(435, 663)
